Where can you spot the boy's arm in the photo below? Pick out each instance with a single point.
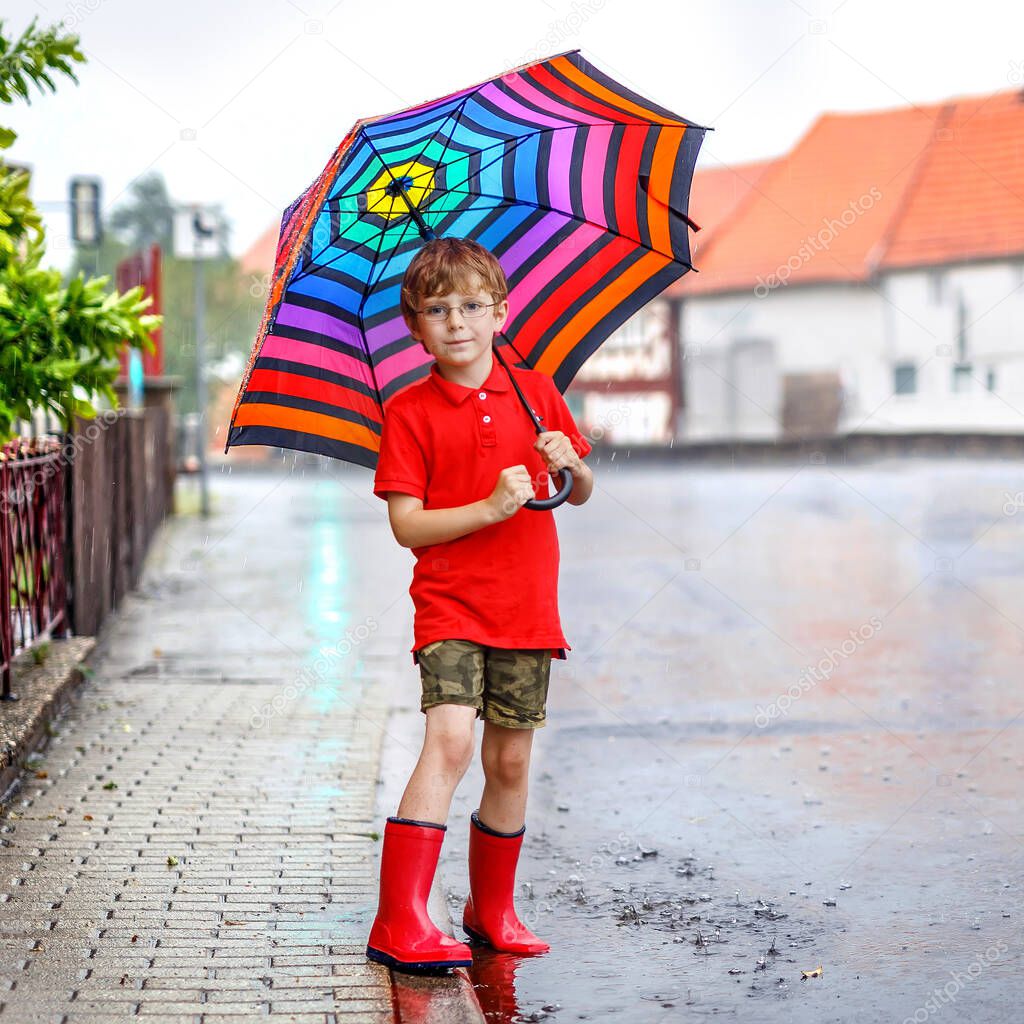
(582, 484)
(415, 527)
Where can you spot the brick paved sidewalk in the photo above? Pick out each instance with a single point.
(211, 734)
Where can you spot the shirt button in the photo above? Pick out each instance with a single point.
(487, 419)
(483, 394)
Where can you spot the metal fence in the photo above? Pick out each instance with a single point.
(33, 595)
(77, 515)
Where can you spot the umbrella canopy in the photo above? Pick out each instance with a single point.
(577, 184)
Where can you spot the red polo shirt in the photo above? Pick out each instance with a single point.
(446, 444)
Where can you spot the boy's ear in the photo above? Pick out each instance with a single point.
(410, 326)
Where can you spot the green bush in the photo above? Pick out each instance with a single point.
(59, 345)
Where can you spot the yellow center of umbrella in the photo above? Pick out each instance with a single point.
(385, 197)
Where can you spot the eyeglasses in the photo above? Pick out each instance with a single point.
(471, 310)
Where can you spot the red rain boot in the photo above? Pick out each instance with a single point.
(403, 936)
(490, 914)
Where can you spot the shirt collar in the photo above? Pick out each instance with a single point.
(497, 380)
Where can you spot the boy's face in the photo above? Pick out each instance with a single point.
(459, 340)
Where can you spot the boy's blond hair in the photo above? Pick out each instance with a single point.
(446, 265)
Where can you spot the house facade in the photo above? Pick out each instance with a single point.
(872, 280)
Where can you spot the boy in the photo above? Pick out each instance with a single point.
(459, 457)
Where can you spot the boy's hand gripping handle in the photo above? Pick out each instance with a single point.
(539, 504)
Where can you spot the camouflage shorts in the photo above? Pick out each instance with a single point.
(507, 687)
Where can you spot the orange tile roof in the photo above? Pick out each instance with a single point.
(969, 201)
(714, 194)
(907, 186)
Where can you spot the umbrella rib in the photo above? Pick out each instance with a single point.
(441, 194)
(362, 325)
(345, 252)
(454, 116)
(362, 304)
(406, 216)
(377, 153)
(517, 139)
(501, 201)
(397, 247)
(451, 116)
(370, 285)
(506, 148)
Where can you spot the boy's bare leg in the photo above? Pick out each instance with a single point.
(446, 754)
(505, 754)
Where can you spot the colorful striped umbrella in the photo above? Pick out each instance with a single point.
(577, 184)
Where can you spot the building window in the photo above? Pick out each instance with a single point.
(936, 287)
(962, 378)
(905, 378)
(990, 379)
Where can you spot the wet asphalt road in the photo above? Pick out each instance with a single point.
(789, 686)
(789, 735)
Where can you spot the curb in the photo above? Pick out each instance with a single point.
(44, 691)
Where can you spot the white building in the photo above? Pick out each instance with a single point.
(872, 280)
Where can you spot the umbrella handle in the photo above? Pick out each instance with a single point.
(537, 504)
(543, 504)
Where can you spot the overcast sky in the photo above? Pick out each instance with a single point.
(242, 103)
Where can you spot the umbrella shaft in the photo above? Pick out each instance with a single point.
(522, 397)
(426, 231)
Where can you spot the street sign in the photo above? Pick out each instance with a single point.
(200, 232)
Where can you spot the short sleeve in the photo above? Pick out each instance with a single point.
(401, 462)
(560, 418)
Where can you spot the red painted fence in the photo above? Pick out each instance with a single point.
(33, 590)
(77, 514)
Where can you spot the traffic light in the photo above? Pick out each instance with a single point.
(86, 222)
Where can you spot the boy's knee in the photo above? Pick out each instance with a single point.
(507, 765)
(453, 747)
